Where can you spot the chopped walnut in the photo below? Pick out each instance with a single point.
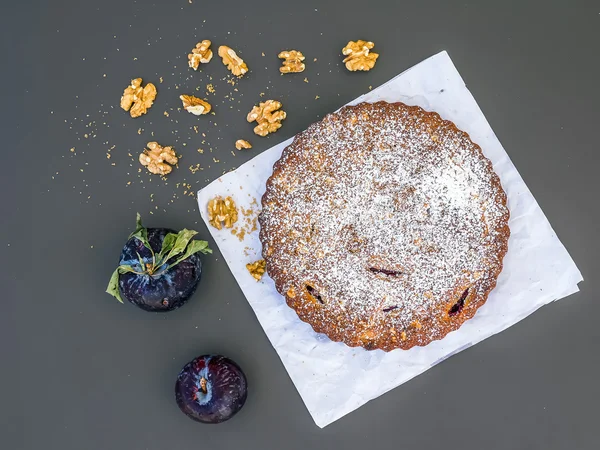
(138, 100)
(358, 55)
(257, 269)
(240, 144)
(158, 159)
(233, 62)
(267, 117)
(293, 61)
(222, 212)
(201, 54)
(195, 105)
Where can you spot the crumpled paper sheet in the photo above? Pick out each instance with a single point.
(334, 379)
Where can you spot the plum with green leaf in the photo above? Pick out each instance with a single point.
(159, 268)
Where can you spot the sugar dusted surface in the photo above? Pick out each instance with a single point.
(377, 221)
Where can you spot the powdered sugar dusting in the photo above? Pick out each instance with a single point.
(379, 220)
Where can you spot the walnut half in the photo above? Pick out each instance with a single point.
(240, 144)
(222, 212)
(257, 269)
(233, 62)
(293, 61)
(267, 117)
(195, 105)
(138, 100)
(358, 55)
(157, 158)
(201, 54)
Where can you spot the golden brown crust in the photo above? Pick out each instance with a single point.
(303, 275)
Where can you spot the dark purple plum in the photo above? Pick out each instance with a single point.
(159, 268)
(211, 389)
(162, 291)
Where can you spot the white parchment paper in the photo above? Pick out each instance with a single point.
(334, 379)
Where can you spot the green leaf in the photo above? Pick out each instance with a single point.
(194, 247)
(113, 284)
(167, 245)
(181, 242)
(142, 264)
(141, 233)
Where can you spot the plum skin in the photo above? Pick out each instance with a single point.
(211, 389)
(164, 291)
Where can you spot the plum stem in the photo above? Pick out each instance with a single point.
(203, 385)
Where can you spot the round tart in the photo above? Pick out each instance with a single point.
(384, 226)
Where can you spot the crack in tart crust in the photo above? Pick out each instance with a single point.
(384, 226)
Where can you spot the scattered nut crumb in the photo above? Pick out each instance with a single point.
(317, 97)
(257, 269)
(195, 105)
(222, 212)
(210, 88)
(267, 117)
(240, 144)
(233, 62)
(138, 100)
(157, 158)
(358, 56)
(201, 54)
(292, 61)
(195, 168)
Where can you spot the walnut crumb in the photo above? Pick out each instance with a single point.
(158, 159)
(257, 269)
(241, 144)
(267, 117)
(358, 55)
(292, 61)
(222, 212)
(201, 54)
(138, 100)
(195, 105)
(233, 62)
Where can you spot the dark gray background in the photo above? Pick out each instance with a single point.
(81, 371)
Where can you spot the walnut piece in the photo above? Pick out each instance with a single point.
(240, 144)
(257, 269)
(222, 212)
(293, 61)
(358, 55)
(195, 105)
(267, 117)
(201, 54)
(233, 62)
(138, 100)
(157, 158)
